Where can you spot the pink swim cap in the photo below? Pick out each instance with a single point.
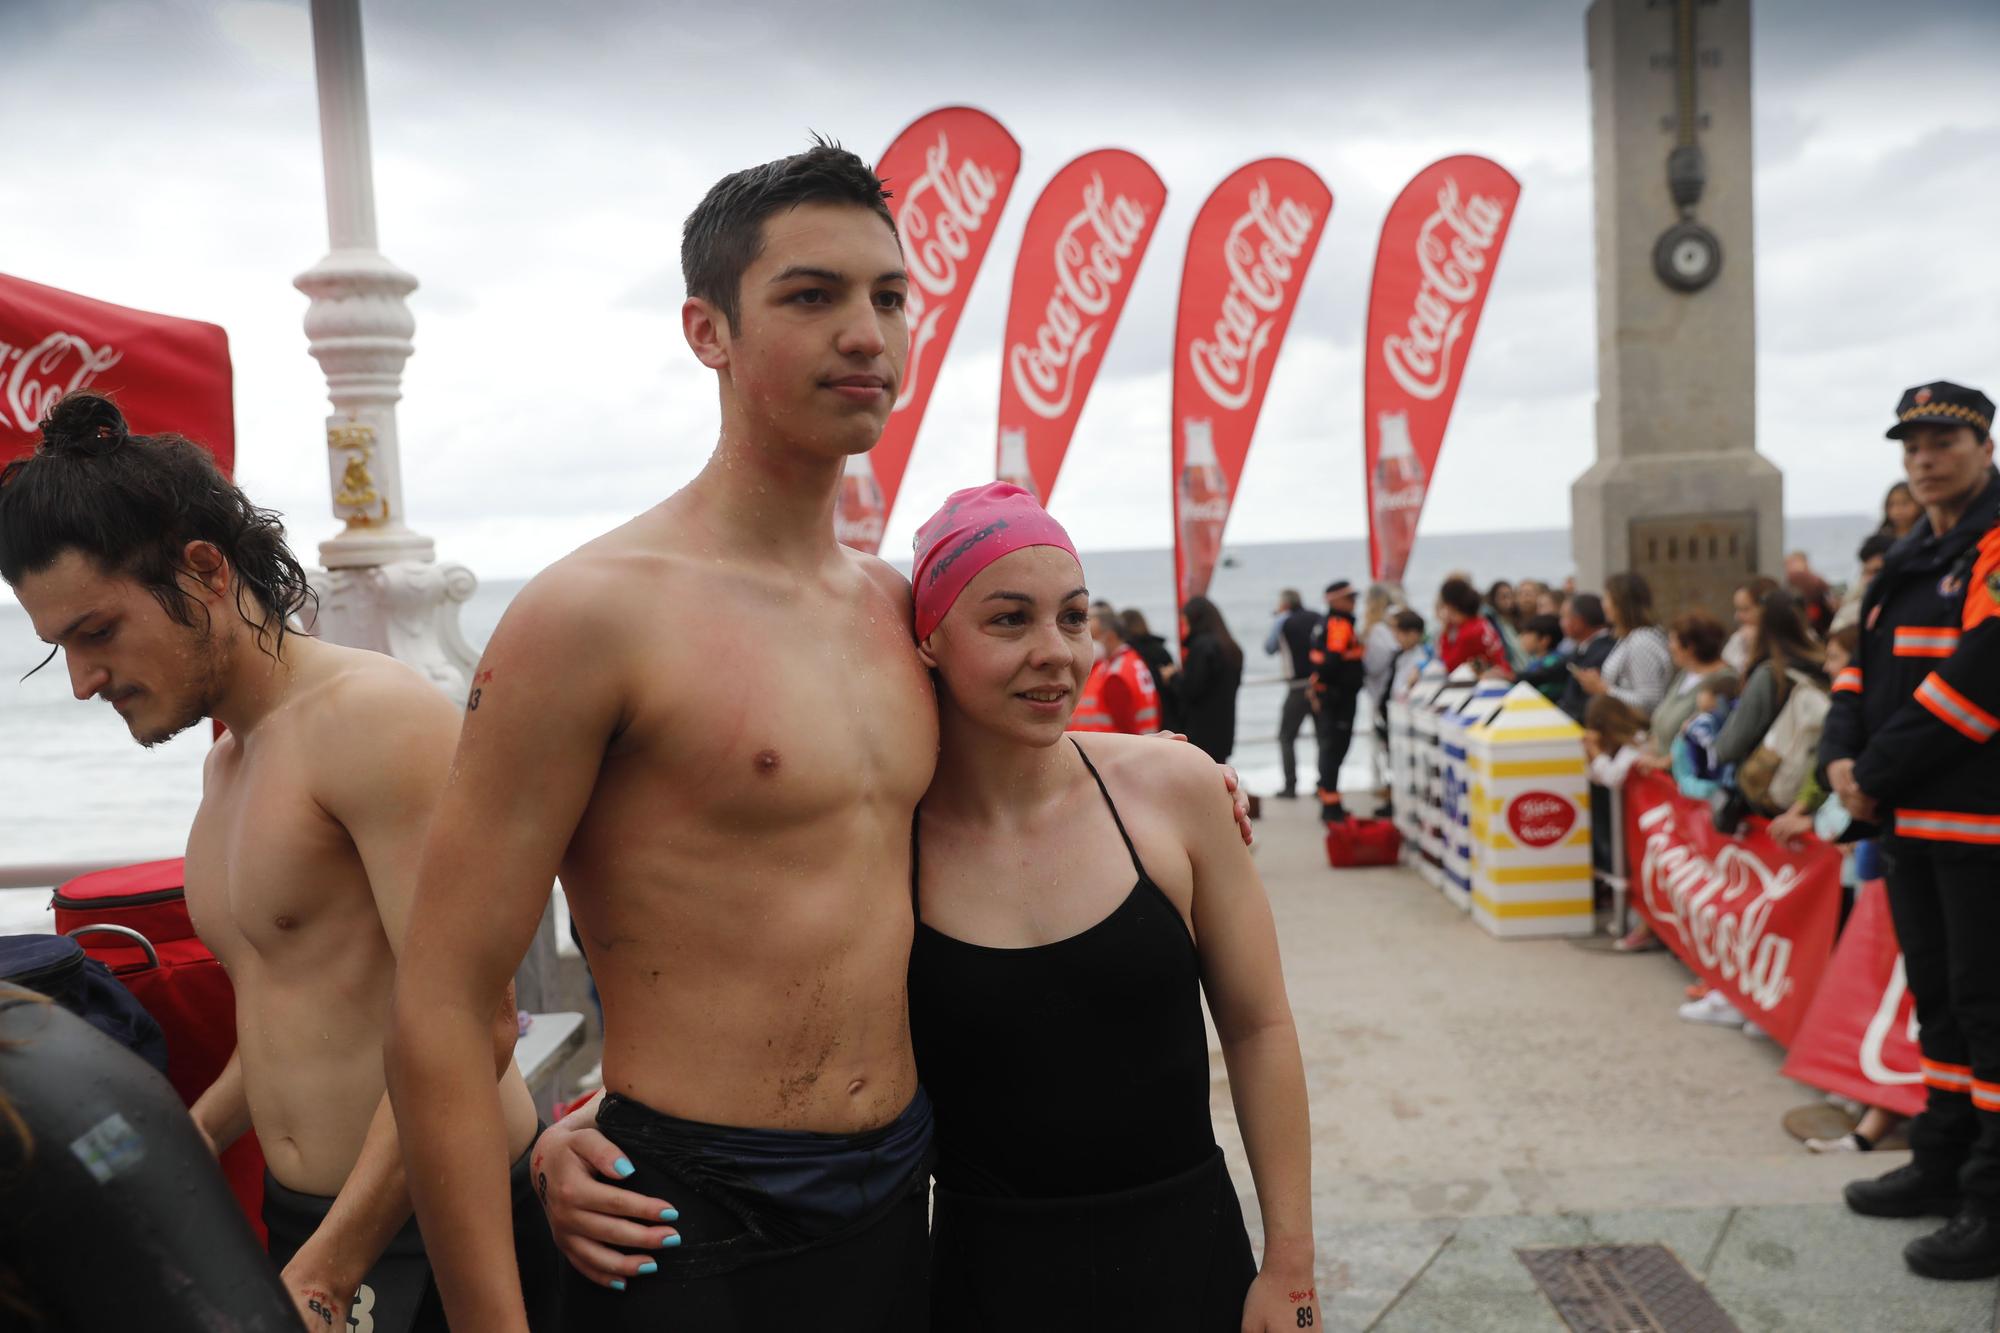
(975, 527)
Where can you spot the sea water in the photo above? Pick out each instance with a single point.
(74, 786)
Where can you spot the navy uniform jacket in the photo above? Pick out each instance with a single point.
(1918, 710)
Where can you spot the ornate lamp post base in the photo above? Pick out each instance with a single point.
(408, 609)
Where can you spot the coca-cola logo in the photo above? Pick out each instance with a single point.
(1401, 497)
(941, 211)
(1721, 908)
(1090, 256)
(1540, 818)
(37, 377)
(1259, 254)
(1451, 254)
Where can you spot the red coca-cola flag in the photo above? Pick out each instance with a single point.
(1859, 1037)
(167, 374)
(1433, 269)
(949, 174)
(1246, 261)
(1085, 239)
(1754, 918)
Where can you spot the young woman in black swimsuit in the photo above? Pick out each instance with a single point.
(1076, 897)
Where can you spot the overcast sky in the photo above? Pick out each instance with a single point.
(534, 161)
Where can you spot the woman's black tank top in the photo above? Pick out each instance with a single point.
(1073, 1068)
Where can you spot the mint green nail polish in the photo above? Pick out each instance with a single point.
(670, 1242)
(648, 1267)
(618, 1284)
(670, 1214)
(622, 1167)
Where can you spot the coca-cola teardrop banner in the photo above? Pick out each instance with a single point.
(1433, 269)
(167, 374)
(949, 174)
(1085, 239)
(1247, 258)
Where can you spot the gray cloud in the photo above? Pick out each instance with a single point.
(534, 162)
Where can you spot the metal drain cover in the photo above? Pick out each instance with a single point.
(1623, 1289)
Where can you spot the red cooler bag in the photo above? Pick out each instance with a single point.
(176, 978)
(1362, 842)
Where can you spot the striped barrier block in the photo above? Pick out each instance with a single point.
(1529, 816)
(1453, 728)
(1425, 721)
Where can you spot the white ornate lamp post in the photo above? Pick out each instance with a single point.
(382, 587)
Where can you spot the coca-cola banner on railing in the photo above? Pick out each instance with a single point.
(166, 374)
(949, 174)
(1246, 261)
(1085, 239)
(1859, 1037)
(1753, 918)
(1433, 269)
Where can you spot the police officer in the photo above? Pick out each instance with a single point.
(1908, 748)
(1337, 679)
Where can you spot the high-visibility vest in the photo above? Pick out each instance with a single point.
(1119, 696)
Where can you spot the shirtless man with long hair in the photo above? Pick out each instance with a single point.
(169, 595)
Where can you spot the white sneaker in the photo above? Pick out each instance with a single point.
(1845, 1143)
(1713, 1007)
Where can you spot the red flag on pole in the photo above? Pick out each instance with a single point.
(1083, 246)
(1433, 269)
(1247, 258)
(949, 173)
(166, 374)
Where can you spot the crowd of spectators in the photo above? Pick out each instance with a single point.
(1730, 713)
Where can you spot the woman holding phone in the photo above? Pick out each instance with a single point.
(1076, 897)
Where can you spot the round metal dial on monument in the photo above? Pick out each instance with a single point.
(1687, 256)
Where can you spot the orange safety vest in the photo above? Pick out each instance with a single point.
(1119, 696)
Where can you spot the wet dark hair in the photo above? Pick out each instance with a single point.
(1701, 634)
(132, 503)
(1407, 621)
(1204, 617)
(1460, 596)
(1549, 628)
(725, 233)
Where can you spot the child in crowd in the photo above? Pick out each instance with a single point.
(1546, 669)
(1696, 770)
(1614, 735)
(1612, 730)
(1412, 655)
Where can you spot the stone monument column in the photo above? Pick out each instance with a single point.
(382, 586)
(1678, 492)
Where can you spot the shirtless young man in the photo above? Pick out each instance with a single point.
(168, 594)
(732, 825)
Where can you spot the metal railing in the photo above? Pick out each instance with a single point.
(48, 874)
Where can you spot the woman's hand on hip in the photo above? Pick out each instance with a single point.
(572, 1164)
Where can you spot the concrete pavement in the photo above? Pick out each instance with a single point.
(1471, 1096)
